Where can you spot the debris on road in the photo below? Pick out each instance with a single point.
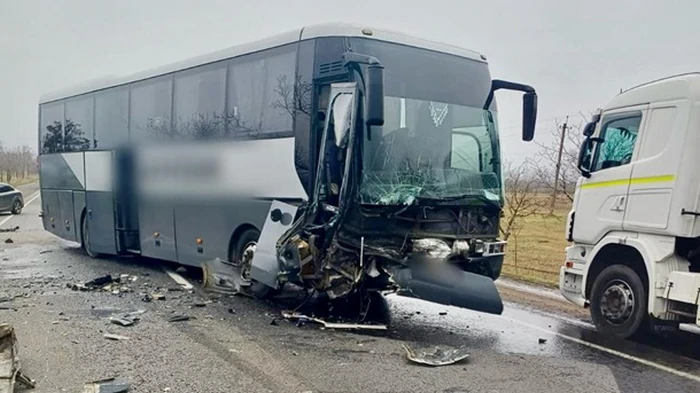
(438, 357)
(294, 316)
(10, 371)
(115, 337)
(15, 229)
(158, 296)
(541, 340)
(9, 240)
(107, 283)
(109, 385)
(45, 252)
(179, 318)
(443, 313)
(219, 276)
(147, 298)
(100, 281)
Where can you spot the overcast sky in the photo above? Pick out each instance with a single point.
(577, 54)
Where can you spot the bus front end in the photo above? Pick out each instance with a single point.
(408, 187)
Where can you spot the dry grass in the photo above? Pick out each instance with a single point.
(536, 253)
(25, 180)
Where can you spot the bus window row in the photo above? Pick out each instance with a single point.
(250, 96)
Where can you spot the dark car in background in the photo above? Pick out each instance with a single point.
(11, 199)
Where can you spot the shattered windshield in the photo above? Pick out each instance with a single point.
(431, 150)
(437, 143)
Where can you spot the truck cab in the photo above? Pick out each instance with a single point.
(633, 227)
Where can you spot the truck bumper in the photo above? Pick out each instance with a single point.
(571, 285)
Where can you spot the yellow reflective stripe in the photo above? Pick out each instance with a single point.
(626, 182)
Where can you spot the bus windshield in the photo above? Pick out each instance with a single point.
(431, 150)
(437, 143)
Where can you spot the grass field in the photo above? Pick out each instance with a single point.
(25, 180)
(536, 253)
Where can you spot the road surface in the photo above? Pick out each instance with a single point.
(232, 345)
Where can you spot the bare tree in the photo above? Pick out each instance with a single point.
(546, 159)
(522, 197)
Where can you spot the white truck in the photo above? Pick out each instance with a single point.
(634, 227)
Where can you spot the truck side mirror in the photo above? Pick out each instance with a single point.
(375, 95)
(529, 115)
(584, 157)
(589, 129)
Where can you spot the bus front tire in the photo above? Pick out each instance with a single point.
(85, 240)
(242, 258)
(619, 302)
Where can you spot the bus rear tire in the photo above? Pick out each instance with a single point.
(242, 257)
(619, 302)
(85, 239)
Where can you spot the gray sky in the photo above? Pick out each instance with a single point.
(577, 54)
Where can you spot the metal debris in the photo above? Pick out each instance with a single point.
(219, 276)
(179, 318)
(109, 385)
(45, 252)
(9, 361)
(100, 281)
(127, 319)
(541, 340)
(115, 337)
(15, 229)
(9, 240)
(440, 356)
(294, 316)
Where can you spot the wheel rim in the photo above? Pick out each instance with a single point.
(16, 206)
(247, 260)
(617, 303)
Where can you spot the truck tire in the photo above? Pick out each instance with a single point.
(618, 302)
(241, 259)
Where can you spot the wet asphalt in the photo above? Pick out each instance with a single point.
(231, 343)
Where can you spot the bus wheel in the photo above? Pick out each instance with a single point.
(85, 240)
(242, 259)
(619, 302)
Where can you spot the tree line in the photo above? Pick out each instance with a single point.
(17, 163)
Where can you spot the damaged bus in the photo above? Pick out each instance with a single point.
(341, 159)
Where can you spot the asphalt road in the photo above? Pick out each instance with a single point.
(233, 346)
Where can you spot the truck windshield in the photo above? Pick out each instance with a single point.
(437, 143)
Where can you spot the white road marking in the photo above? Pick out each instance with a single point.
(179, 279)
(622, 355)
(34, 197)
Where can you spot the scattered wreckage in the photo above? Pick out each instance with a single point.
(10, 372)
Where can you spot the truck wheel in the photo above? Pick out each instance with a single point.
(85, 239)
(619, 302)
(242, 258)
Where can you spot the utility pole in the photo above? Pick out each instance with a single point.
(556, 172)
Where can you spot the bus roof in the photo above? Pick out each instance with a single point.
(671, 88)
(308, 32)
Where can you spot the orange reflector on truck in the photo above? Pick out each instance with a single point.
(569, 264)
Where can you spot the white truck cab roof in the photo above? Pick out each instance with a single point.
(683, 86)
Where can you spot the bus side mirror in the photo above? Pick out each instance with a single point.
(529, 115)
(375, 95)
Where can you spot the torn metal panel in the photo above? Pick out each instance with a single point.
(219, 276)
(9, 361)
(439, 356)
(295, 316)
(109, 385)
(446, 284)
(265, 265)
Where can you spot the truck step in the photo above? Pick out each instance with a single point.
(683, 313)
(690, 328)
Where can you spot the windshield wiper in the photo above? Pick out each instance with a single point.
(479, 197)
